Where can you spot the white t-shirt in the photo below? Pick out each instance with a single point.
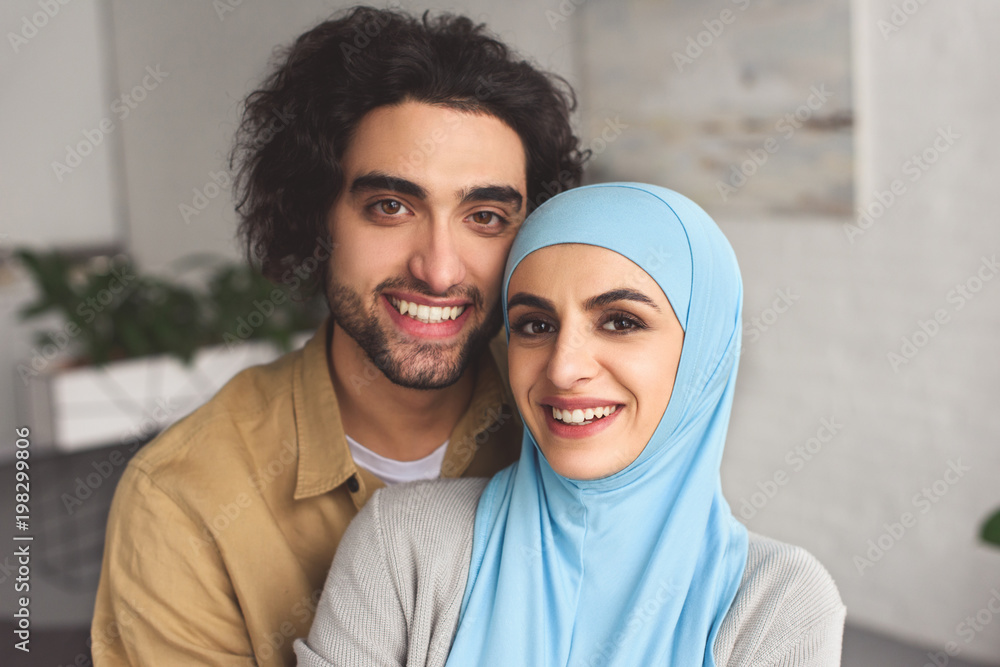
(392, 471)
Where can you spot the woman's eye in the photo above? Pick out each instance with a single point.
(536, 328)
(620, 323)
(390, 207)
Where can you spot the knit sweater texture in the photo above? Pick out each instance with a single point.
(395, 589)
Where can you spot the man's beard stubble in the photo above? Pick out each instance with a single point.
(419, 365)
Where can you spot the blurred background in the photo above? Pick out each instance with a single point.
(845, 147)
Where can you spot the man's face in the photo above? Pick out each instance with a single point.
(432, 199)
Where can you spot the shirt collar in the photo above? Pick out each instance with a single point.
(325, 460)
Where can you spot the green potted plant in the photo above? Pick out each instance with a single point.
(990, 532)
(134, 352)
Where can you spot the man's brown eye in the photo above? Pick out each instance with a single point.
(390, 206)
(483, 217)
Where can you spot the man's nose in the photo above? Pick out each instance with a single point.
(437, 260)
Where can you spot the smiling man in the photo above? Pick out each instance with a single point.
(419, 249)
(408, 154)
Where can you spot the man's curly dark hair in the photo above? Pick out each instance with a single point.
(296, 127)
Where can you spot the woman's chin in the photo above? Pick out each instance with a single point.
(590, 451)
(583, 466)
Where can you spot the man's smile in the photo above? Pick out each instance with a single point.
(422, 320)
(426, 312)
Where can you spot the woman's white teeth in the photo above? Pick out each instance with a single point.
(582, 417)
(427, 314)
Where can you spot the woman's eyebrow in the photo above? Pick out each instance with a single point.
(530, 300)
(621, 294)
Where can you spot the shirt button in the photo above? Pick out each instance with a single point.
(352, 484)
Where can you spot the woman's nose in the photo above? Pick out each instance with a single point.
(572, 361)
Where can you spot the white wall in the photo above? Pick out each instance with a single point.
(826, 357)
(823, 358)
(214, 59)
(60, 146)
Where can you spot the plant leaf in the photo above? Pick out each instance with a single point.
(991, 530)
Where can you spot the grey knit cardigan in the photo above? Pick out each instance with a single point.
(395, 589)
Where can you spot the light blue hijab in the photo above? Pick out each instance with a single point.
(638, 568)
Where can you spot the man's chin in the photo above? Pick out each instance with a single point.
(407, 360)
(424, 369)
(425, 364)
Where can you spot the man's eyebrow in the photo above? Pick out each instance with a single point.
(504, 194)
(621, 294)
(376, 180)
(530, 300)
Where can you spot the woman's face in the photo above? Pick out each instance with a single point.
(594, 347)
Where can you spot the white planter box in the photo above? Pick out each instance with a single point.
(125, 401)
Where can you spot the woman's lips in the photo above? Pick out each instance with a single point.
(583, 415)
(579, 418)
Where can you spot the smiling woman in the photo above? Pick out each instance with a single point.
(591, 354)
(609, 542)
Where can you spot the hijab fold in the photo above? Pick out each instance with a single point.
(638, 568)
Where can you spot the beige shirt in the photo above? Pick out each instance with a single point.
(222, 529)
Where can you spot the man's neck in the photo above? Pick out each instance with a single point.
(390, 420)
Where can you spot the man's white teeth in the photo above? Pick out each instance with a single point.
(582, 417)
(427, 314)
